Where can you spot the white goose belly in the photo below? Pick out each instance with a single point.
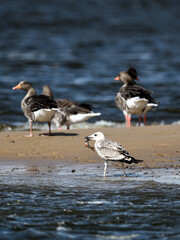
(136, 105)
(44, 115)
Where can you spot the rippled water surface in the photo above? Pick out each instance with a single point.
(78, 47)
(75, 202)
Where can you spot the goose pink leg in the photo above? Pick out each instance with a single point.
(144, 118)
(128, 120)
(31, 133)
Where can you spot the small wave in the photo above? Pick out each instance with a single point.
(93, 202)
(38, 126)
(118, 237)
(97, 124)
(84, 125)
(176, 122)
(7, 127)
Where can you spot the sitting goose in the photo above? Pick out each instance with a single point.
(132, 98)
(36, 107)
(69, 112)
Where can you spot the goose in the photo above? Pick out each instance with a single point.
(36, 107)
(69, 112)
(132, 98)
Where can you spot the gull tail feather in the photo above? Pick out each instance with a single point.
(136, 160)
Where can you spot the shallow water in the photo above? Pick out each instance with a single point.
(75, 202)
(78, 47)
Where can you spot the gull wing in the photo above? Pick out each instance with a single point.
(112, 151)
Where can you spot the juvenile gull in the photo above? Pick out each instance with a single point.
(111, 151)
(69, 112)
(132, 98)
(36, 107)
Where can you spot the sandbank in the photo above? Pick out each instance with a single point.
(158, 146)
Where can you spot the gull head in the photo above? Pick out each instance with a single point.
(97, 136)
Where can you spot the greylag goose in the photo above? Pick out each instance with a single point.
(111, 151)
(36, 107)
(132, 98)
(69, 112)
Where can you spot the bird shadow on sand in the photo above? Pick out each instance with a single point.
(58, 134)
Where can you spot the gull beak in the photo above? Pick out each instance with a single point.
(90, 137)
(17, 87)
(137, 79)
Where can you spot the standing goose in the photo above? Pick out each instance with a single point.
(36, 107)
(132, 98)
(69, 112)
(111, 151)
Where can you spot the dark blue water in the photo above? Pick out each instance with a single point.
(58, 203)
(78, 47)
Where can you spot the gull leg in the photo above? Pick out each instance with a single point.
(144, 118)
(123, 170)
(105, 168)
(31, 133)
(139, 120)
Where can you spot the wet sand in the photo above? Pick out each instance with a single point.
(158, 146)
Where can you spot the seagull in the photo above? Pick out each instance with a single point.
(132, 98)
(70, 112)
(36, 107)
(111, 151)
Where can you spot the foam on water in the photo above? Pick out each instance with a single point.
(17, 126)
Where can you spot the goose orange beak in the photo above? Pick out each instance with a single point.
(17, 87)
(117, 78)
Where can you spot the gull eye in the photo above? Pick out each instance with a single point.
(95, 135)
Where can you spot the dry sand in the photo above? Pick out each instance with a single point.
(158, 146)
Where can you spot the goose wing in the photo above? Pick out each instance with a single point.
(120, 101)
(38, 102)
(73, 108)
(131, 91)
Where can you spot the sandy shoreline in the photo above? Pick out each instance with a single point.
(158, 146)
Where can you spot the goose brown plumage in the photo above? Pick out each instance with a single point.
(132, 98)
(36, 107)
(69, 112)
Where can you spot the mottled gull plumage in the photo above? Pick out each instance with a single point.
(111, 151)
